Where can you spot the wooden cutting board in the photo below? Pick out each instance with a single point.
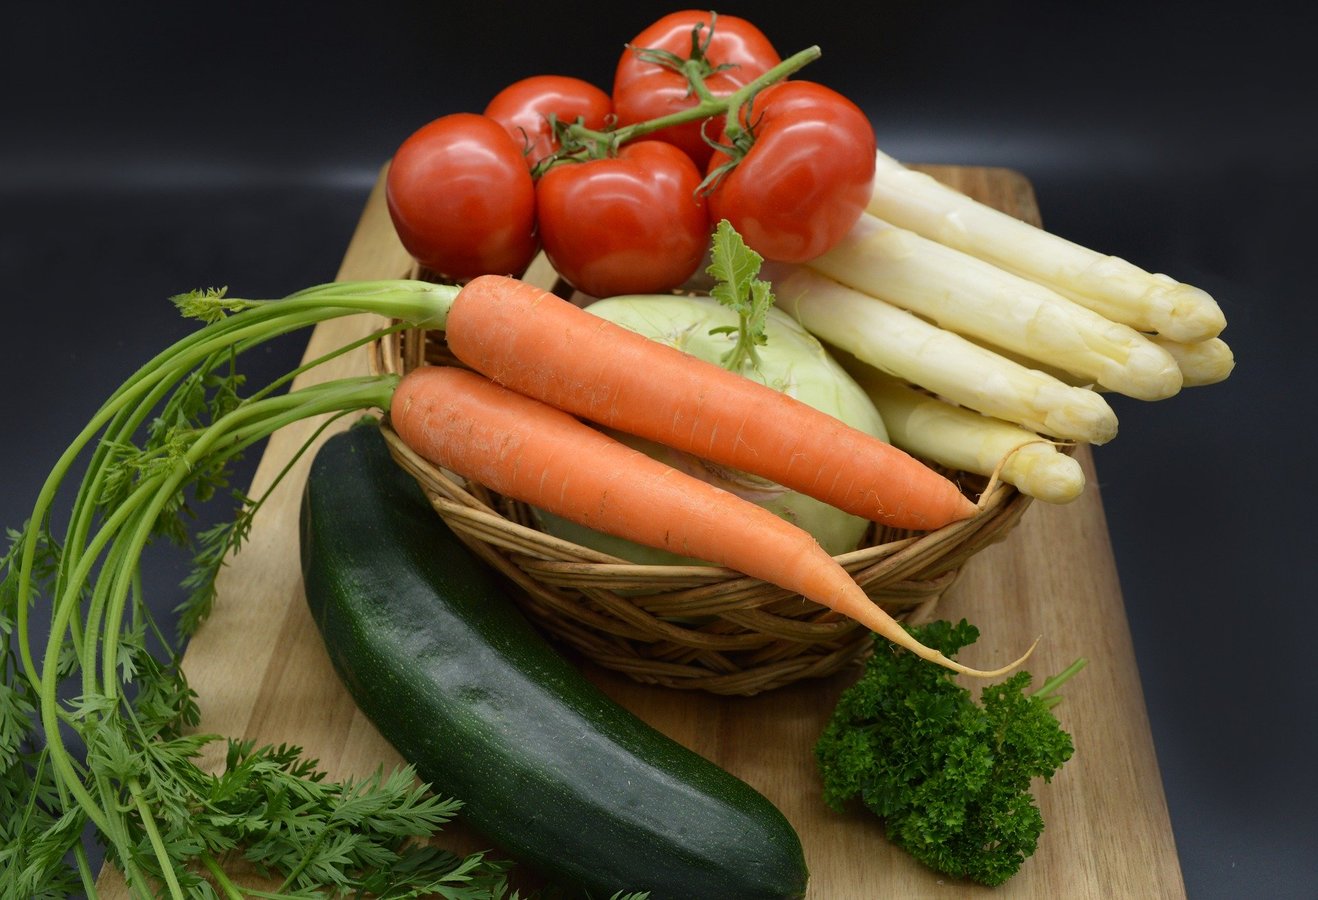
(261, 672)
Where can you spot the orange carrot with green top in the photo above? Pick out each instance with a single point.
(528, 450)
(544, 347)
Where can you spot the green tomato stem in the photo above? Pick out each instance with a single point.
(694, 69)
(607, 142)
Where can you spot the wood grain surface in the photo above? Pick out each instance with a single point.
(261, 672)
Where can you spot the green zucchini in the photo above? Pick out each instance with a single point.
(428, 642)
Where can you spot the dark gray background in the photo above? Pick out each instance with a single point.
(147, 149)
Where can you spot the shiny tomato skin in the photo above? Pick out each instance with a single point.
(631, 224)
(808, 175)
(524, 107)
(644, 90)
(461, 198)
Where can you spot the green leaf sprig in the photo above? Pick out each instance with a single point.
(735, 268)
(949, 777)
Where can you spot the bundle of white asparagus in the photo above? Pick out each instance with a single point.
(985, 341)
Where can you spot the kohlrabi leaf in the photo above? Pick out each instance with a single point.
(735, 268)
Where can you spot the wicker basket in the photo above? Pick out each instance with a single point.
(699, 627)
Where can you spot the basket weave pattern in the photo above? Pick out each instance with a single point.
(695, 627)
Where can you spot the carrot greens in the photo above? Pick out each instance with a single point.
(97, 732)
(949, 777)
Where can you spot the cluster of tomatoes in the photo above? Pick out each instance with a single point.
(618, 204)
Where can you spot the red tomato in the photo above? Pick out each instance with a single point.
(462, 199)
(807, 177)
(524, 107)
(645, 90)
(630, 224)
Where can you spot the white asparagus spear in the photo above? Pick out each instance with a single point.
(1201, 362)
(972, 297)
(907, 346)
(1109, 285)
(963, 439)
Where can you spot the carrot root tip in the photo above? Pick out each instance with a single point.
(996, 475)
(988, 673)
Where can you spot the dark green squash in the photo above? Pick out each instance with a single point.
(436, 654)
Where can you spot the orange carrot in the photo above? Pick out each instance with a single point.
(544, 347)
(540, 455)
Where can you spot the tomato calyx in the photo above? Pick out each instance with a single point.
(576, 143)
(696, 66)
(736, 143)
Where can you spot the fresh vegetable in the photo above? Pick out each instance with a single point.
(801, 160)
(678, 61)
(437, 655)
(527, 450)
(950, 778)
(630, 223)
(1201, 362)
(461, 198)
(905, 345)
(77, 668)
(544, 347)
(966, 295)
(968, 441)
(531, 109)
(1108, 285)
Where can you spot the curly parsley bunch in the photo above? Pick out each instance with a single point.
(949, 777)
